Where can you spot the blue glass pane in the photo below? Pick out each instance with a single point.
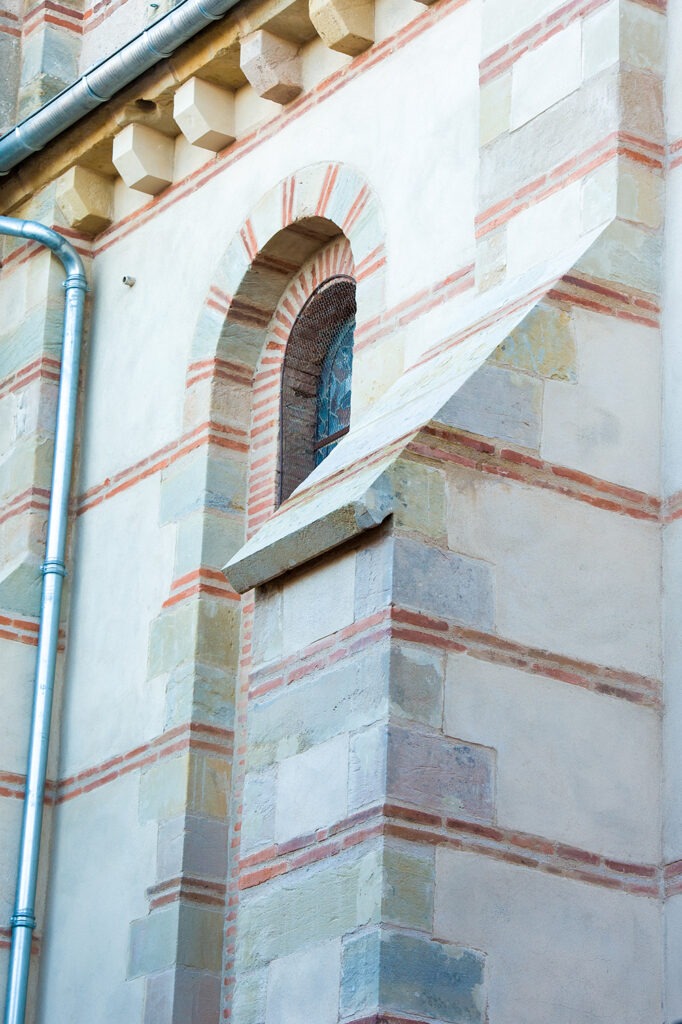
(333, 393)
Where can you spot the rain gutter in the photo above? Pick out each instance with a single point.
(103, 80)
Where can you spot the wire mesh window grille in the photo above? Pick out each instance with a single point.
(316, 382)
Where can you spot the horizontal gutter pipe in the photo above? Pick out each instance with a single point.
(100, 83)
(53, 569)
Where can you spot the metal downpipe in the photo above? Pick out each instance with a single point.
(53, 569)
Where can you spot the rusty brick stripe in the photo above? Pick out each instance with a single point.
(414, 825)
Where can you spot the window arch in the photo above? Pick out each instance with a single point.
(316, 381)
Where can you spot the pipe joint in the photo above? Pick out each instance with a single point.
(23, 919)
(53, 565)
(76, 281)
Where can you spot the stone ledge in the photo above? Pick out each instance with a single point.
(264, 558)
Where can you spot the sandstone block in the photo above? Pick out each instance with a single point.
(205, 114)
(309, 906)
(416, 684)
(344, 25)
(420, 500)
(443, 583)
(272, 66)
(409, 885)
(500, 404)
(354, 693)
(143, 157)
(86, 199)
(407, 974)
(440, 775)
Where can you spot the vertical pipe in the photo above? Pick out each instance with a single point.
(53, 569)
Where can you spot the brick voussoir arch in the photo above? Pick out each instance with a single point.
(291, 222)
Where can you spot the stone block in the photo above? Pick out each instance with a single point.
(601, 38)
(205, 114)
(153, 942)
(321, 773)
(310, 905)
(186, 935)
(267, 625)
(209, 785)
(163, 788)
(442, 583)
(420, 498)
(607, 424)
(250, 997)
(192, 844)
(409, 885)
(416, 684)
(344, 25)
(495, 108)
(498, 403)
(305, 986)
(385, 970)
(561, 582)
(181, 995)
(318, 602)
(258, 814)
(544, 75)
(373, 576)
(143, 157)
(543, 344)
(86, 199)
(271, 65)
(367, 768)
(352, 696)
(440, 775)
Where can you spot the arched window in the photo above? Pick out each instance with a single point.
(316, 380)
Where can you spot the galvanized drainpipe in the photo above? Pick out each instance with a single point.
(53, 570)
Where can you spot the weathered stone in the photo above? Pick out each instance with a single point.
(310, 905)
(86, 199)
(272, 66)
(321, 773)
(373, 575)
(542, 344)
(439, 582)
(250, 997)
(349, 697)
(416, 685)
(344, 25)
(258, 816)
(383, 970)
(440, 775)
(496, 402)
(194, 844)
(420, 500)
(163, 788)
(367, 768)
(409, 886)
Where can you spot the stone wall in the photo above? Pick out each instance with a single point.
(429, 774)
